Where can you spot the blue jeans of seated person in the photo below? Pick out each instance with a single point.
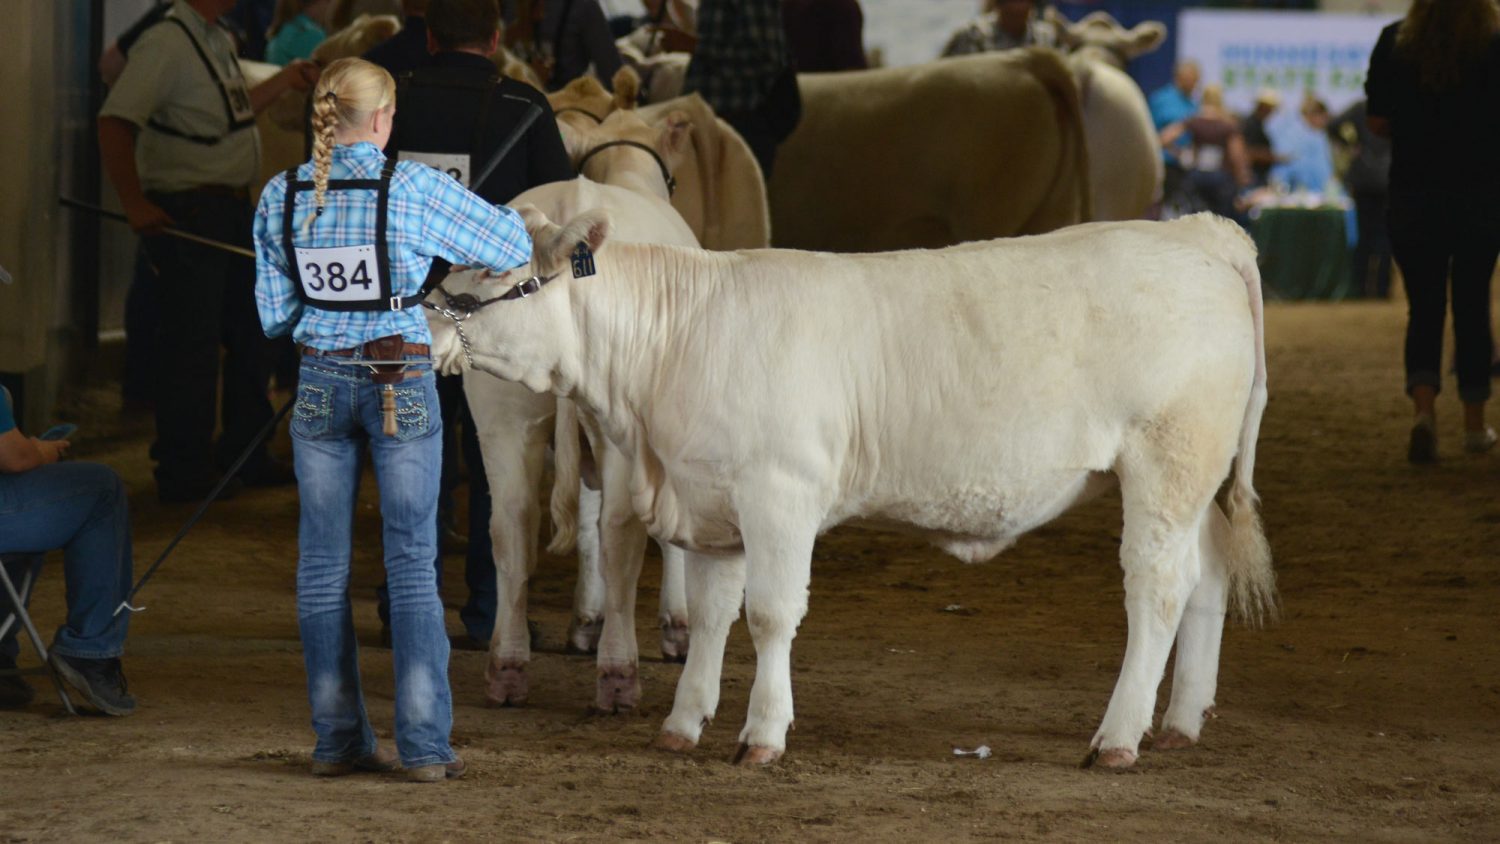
(82, 509)
(336, 415)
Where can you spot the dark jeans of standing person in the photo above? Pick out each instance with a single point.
(478, 612)
(1434, 241)
(1372, 253)
(142, 338)
(765, 127)
(207, 301)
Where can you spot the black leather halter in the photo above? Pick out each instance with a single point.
(583, 111)
(666, 174)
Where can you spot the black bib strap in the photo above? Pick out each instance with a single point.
(213, 73)
(382, 187)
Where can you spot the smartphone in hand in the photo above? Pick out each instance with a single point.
(59, 432)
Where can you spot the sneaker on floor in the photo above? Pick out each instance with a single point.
(1423, 447)
(15, 692)
(1478, 442)
(437, 773)
(381, 760)
(100, 681)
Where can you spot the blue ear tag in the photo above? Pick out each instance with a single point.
(583, 260)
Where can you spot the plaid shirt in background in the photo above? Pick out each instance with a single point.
(430, 216)
(741, 51)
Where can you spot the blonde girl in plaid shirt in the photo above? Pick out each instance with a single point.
(338, 414)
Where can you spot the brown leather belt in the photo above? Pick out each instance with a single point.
(382, 350)
(410, 349)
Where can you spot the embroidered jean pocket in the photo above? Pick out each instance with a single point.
(415, 406)
(312, 417)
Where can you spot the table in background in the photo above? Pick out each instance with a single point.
(1304, 253)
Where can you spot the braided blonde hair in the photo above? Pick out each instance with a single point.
(348, 92)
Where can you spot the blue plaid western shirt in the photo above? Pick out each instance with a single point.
(741, 51)
(430, 216)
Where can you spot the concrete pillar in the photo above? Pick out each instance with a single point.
(33, 310)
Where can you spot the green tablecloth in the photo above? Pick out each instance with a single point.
(1304, 253)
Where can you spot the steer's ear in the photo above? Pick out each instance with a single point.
(1144, 38)
(590, 227)
(1066, 36)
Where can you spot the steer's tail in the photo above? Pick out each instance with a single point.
(1252, 581)
(1073, 163)
(567, 462)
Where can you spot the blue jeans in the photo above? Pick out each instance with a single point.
(82, 509)
(337, 413)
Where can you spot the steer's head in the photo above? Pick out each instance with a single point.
(531, 339)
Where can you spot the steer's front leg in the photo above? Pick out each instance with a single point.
(778, 553)
(715, 591)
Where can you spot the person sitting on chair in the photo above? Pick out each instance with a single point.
(80, 508)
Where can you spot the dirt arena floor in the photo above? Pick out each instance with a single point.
(1368, 714)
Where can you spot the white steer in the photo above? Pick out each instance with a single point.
(973, 392)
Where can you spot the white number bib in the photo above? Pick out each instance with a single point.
(340, 273)
(455, 164)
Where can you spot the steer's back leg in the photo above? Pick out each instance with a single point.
(1195, 674)
(1169, 471)
(674, 609)
(622, 545)
(589, 593)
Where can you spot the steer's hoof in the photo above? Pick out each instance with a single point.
(583, 635)
(1172, 740)
(674, 640)
(505, 683)
(1114, 759)
(672, 743)
(619, 690)
(753, 755)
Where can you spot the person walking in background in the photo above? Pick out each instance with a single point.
(1434, 89)
(1368, 181)
(343, 244)
(741, 66)
(298, 27)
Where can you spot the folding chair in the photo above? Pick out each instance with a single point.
(13, 602)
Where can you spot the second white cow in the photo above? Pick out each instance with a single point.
(973, 392)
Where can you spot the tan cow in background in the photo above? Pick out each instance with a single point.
(1125, 165)
(967, 148)
(720, 191)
